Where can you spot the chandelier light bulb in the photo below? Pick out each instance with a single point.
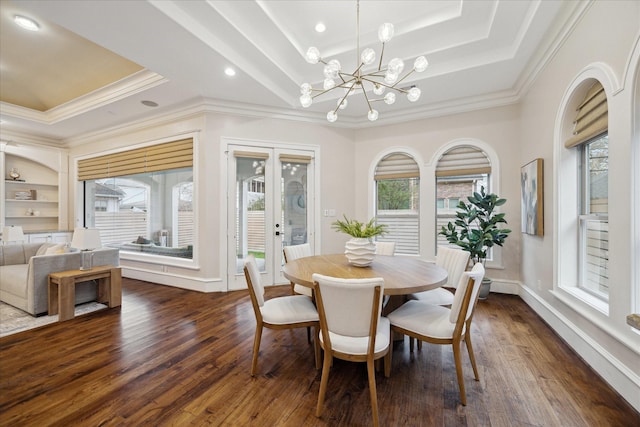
(421, 64)
(332, 69)
(372, 115)
(378, 89)
(368, 56)
(390, 77)
(313, 55)
(385, 32)
(396, 65)
(305, 89)
(306, 100)
(390, 98)
(414, 94)
(332, 116)
(342, 105)
(329, 84)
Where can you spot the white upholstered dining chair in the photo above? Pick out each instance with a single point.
(440, 325)
(295, 252)
(385, 248)
(455, 262)
(352, 328)
(288, 312)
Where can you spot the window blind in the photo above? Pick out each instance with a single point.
(250, 155)
(461, 161)
(294, 158)
(397, 166)
(160, 157)
(592, 118)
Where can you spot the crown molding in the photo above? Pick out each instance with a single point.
(135, 83)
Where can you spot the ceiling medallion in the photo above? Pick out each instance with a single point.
(378, 80)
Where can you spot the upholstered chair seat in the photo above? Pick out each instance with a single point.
(440, 325)
(288, 312)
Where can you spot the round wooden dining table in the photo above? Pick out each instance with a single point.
(402, 275)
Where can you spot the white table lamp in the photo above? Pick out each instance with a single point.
(12, 233)
(86, 239)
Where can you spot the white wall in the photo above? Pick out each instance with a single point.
(605, 38)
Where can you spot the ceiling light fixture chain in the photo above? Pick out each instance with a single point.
(379, 80)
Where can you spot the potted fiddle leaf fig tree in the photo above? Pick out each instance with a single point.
(477, 228)
(360, 249)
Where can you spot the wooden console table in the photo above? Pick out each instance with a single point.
(62, 288)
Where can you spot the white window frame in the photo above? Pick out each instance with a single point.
(494, 184)
(567, 208)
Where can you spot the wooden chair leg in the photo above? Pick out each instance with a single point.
(411, 344)
(419, 345)
(472, 357)
(256, 350)
(387, 360)
(316, 347)
(372, 391)
(458, 362)
(323, 381)
(308, 334)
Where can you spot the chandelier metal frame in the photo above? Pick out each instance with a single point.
(380, 79)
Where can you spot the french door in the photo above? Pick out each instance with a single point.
(270, 205)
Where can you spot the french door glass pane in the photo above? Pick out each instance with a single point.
(294, 203)
(250, 210)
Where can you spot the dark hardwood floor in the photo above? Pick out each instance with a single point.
(174, 357)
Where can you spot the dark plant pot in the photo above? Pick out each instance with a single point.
(485, 288)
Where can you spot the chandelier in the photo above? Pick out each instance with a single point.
(378, 80)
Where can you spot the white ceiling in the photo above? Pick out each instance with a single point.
(481, 53)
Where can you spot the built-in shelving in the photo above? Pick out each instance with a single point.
(32, 201)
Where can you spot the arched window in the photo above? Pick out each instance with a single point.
(590, 139)
(397, 179)
(460, 171)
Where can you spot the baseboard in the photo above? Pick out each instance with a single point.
(176, 280)
(614, 372)
(501, 286)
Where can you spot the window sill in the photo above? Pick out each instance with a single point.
(571, 294)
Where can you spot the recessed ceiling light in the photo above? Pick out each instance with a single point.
(26, 23)
(149, 103)
(320, 27)
(230, 71)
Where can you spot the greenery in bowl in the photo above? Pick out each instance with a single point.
(355, 228)
(476, 226)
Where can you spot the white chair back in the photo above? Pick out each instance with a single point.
(297, 251)
(255, 283)
(348, 303)
(475, 276)
(454, 261)
(385, 248)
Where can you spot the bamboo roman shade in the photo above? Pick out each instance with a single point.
(154, 158)
(461, 161)
(294, 158)
(592, 118)
(250, 155)
(397, 166)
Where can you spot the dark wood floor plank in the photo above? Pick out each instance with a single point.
(170, 356)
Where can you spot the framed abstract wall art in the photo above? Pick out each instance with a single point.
(531, 184)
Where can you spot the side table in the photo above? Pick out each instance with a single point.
(62, 288)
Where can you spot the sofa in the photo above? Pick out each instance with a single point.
(25, 268)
